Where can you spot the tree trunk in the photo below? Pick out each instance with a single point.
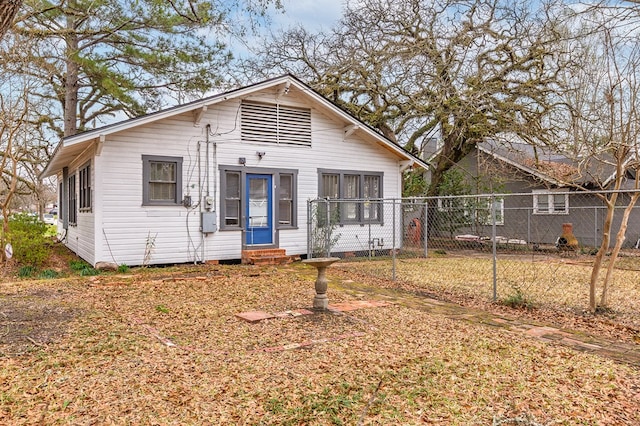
(620, 237)
(9, 156)
(71, 81)
(604, 246)
(8, 10)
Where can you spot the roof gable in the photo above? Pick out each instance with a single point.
(71, 146)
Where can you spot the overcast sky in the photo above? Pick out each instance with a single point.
(313, 15)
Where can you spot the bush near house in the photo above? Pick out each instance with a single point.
(27, 236)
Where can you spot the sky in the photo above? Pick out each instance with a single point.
(314, 15)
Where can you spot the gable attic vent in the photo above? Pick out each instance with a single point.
(269, 123)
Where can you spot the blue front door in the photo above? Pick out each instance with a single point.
(259, 212)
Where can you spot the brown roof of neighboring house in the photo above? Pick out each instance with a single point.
(552, 166)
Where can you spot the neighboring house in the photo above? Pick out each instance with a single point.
(210, 179)
(538, 198)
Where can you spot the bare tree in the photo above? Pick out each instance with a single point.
(13, 115)
(456, 71)
(601, 122)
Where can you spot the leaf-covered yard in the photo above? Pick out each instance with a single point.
(163, 346)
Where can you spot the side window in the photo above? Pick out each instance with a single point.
(85, 188)
(162, 180)
(231, 192)
(286, 211)
(351, 191)
(484, 212)
(550, 202)
(72, 205)
(372, 209)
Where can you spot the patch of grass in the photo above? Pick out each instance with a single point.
(89, 271)
(123, 268)
(83, 268)
(332, 405)
(48, 274)
(26, 271)
(518, 299)
(78, 265)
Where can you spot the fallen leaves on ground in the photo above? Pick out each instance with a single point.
(401, 366)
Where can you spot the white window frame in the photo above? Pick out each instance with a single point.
(550, 195)
(467, 211)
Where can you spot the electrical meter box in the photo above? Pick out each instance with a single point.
(209, 223)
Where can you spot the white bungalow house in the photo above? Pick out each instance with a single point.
(207, 180)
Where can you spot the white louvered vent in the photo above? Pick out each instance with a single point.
(270, 123)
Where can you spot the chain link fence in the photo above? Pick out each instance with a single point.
(533, 248)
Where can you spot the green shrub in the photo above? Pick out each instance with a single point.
(123, 268)
(27, 236)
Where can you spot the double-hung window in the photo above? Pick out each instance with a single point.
(371, 191)
(85, 188)
(231, 205)
(364, 188)
(162, 180)
(72, 205)
(286, 204)
(550, 202)
(351, 191)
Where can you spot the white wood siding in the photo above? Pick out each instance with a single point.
(80, 238)
(127, 229)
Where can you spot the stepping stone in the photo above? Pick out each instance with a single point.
(254, 316)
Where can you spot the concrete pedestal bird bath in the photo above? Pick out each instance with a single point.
(321, 301)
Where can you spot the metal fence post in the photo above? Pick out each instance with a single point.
(528, 226)
(328, 232)
(309, 229)
(595, 226)
(495, 251)
(393, 245)
(425, 226)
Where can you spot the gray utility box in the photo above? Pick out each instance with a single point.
(209, 222)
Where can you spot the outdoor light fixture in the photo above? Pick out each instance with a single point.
(242, 161)
(260, 154)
